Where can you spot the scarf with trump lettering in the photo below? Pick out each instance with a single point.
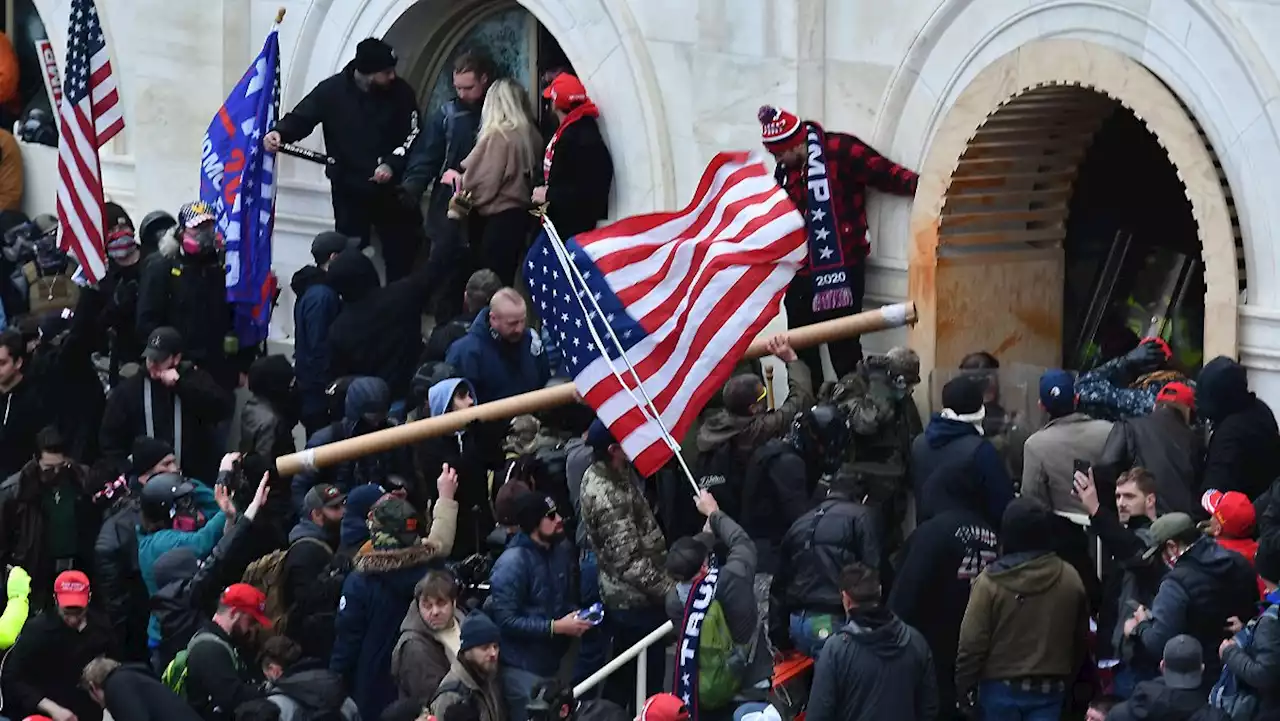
(827, 269)
(701, 594)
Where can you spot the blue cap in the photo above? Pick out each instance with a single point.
(599, 436)
(1058, 392)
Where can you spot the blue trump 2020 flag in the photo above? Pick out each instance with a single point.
(237, 178)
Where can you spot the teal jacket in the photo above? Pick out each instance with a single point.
(152, 546)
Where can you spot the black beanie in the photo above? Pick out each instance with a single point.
(1267, 561)
(1026, 526)
(531, 508)
(963, 394)
(147, 452)
(374, 56)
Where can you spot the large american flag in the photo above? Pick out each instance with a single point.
(684, 294)
(89, 116)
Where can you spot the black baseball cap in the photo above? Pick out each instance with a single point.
(323, 496)
(330, 242)
(162, 344)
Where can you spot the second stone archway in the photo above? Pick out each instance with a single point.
(1069, 85)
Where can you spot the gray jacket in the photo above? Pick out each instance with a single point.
(736, 593)
(1049, 456)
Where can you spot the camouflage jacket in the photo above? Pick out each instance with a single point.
(883, 423)
(1113, 391)
(630, 548)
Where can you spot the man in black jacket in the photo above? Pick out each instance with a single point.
(435, 159)
(312, 544)
(185, 287)
(577, 169)
(24, 409)
(172, 399)
(369, 117)
(941, 559)
(1181, 691)
(876, 667)
(1244, 450)
(840, 531)
(218, 679)
(1206, 586)
(41, 673)
(115, 554)
(379, 329)
(132, 693)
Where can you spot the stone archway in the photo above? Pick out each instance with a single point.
(1069, 82)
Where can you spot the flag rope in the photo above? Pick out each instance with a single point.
(648, 408)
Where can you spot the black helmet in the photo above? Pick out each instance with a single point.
(153, 226)
(822, 435)
(163, 491)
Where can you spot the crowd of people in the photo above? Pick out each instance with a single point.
(1121, 564)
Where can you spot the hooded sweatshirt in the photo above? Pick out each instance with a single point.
(1244, 450)
(314, 311)
(365, 396)
(465, 452)
(355, 529)
(942, 558)
(876, 667)
(379, 330)
(1028, 616)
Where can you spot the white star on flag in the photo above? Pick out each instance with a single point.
(818, 214)
(821, 233)
(825, 252)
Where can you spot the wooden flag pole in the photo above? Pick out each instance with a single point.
(890, 316)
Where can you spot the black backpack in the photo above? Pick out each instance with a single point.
(722, 472)
(311, 618)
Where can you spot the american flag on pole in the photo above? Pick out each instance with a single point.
(682, 293)
(90, 115)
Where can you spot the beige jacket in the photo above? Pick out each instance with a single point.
(499, 172)
(1049, 456)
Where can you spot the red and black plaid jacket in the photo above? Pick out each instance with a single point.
(852, 167)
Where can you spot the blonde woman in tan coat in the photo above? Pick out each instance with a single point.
(498, 177)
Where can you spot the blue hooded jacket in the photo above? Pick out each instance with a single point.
(530, 589)
(498, 369)
(314, 311)
(440, 396)
(365, 396)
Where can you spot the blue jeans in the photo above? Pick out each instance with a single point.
(594, 650)
(517, 685)
(1001, 702)
(810, 631)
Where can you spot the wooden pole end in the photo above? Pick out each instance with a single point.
(279, 15)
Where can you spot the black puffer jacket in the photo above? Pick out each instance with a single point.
(190, 294)
(118, 580)
(1244, 450)
(875, 668)
(379, 330)
(821, 543)
(361, 127)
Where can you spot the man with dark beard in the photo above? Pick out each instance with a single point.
(369, 116)
(312, 544)
(435, 159)
(474, 676)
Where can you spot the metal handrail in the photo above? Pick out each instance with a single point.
(622, 659)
